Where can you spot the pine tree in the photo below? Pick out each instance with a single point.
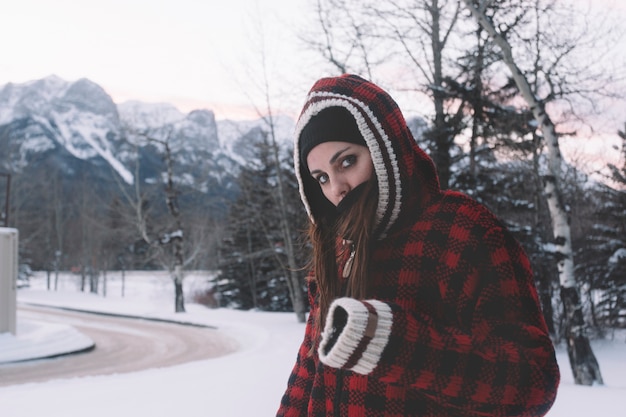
(254, 269)
(602, 261)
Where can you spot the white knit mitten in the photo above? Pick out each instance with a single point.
(355, 334)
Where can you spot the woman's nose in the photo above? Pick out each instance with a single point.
(340, 189)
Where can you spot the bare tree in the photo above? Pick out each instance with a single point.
(173, 236)
(58, 219)
(583, 362)
(259, 76)
(424, 30)
(150, 219)
(365, 37)
(345, 39)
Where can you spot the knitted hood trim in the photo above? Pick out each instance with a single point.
(398, 163)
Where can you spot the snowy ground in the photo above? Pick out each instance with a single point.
(247, 383)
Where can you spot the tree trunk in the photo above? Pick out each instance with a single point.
(57, 261)
(104, 281)
(251, 269)
(123, 280)
(477, 116)
(83, 278)
(441, 130)
(179, 303)
(541, 216)
(582, 360)
(176, 237)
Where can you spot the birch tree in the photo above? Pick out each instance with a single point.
(582, 360)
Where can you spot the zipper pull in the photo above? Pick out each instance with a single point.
(347, 267)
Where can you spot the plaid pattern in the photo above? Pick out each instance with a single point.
(467, 337)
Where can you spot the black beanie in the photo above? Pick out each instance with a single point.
(332, 124)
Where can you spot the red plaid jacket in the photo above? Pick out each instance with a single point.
(455, 328)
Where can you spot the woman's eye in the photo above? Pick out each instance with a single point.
(322, 178)
(348, 161)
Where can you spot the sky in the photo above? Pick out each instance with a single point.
(248, 382)
(191, 53)
(207, 54)
(186, 52)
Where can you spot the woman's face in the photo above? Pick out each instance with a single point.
(339, 167)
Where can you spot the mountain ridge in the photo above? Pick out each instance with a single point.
(80, 117)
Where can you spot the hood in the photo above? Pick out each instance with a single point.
(406, 175)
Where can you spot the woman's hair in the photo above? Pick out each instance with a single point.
(356, 225)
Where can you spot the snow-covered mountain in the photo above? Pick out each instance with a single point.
(48, 114)
(78, 124)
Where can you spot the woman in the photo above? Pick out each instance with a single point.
(422, 303)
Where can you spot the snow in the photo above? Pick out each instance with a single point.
(35, 340)
(617, 256)
(84, 136)
(149, 115)
(249, 382)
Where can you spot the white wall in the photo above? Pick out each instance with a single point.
(8, 279)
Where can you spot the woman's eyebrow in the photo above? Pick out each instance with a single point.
(337, 155)
(332, 159)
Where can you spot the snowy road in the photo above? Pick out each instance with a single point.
(122, 345)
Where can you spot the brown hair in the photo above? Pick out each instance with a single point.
(356, 225)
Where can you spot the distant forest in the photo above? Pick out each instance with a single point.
(89, 229)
